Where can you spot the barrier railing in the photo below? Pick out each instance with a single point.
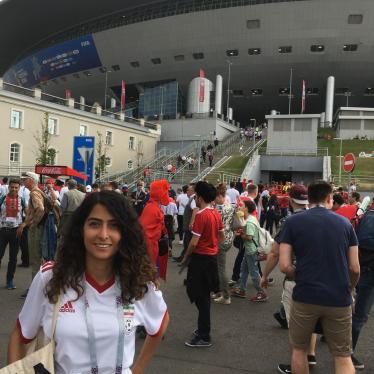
(293, 152)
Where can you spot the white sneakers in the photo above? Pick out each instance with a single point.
(222, 300)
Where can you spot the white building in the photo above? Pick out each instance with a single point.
(21, 116)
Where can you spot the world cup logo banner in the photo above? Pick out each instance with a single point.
(202, 86)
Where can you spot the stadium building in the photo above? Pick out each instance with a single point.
(263, 49)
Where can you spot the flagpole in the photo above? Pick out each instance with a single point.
(290, 95)
(303, 97)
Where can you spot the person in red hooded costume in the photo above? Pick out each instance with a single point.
(152, 220)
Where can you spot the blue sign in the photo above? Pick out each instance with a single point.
(84, 156)
(61, 59)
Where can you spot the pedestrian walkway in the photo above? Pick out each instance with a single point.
(246, 339)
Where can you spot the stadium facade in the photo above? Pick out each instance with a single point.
(158, 47)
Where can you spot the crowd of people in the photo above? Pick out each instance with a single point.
(104, 251)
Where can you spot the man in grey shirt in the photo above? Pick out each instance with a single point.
(71, 200)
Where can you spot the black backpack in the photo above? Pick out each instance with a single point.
(365, 231)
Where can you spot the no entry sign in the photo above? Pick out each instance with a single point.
(349, 162)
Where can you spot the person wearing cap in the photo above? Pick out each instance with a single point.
(326, 273)
(125, 190)
(51, 192)
(34, 216)
(70, 202)
(298, 202)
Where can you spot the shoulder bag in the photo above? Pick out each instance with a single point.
(37, 360)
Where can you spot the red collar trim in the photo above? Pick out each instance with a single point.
(100, 288)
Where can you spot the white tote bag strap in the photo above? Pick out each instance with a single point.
(56, 309)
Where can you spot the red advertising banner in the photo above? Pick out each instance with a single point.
(123, 95)
(202, 86)
(58, 170)
(303, 99)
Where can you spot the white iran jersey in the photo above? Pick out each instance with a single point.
(72, 352)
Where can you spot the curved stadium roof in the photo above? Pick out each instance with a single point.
(327, 37)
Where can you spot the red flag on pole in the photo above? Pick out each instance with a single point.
(303, 99)
(123, 95)
(67, 94)
(202, 86)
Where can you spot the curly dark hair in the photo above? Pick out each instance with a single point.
(132, 263)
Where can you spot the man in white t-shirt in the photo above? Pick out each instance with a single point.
(233, 194)
(182, 201)
(64, 189)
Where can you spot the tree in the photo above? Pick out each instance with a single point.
(43, 141)
(101, 149)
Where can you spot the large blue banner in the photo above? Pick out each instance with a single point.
(65, 58)
(84, 156)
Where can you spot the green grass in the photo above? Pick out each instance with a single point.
(364, 166)
(235, 165)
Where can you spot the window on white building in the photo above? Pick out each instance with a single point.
(83, 130)
(52, 125)
(15, 152)
(109, 138)
(131, 142)
(130, 164)
(16, 119)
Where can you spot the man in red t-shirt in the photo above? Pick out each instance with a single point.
(202, 275)
(339, 207)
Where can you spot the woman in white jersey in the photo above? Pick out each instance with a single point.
(108, 287)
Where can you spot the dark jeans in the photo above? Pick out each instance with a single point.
(24, 246)
(271, 218)
(262, 218)
(180, 226)
(186, 240)
(364, 302)
(284, 212)
(238, 262)
(203, 321)
(8, 236)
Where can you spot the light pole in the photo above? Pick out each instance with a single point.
(290, 95)
(228, 88)
(106, 86)
(162, 88)
(340, 159)
(347, 94)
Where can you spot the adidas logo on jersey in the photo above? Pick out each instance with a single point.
(67, 308)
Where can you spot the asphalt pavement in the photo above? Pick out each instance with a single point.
(246, 338)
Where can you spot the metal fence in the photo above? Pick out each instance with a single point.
(293, 152)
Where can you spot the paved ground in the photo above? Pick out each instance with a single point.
(246, 337)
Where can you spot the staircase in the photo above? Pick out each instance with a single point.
(234, 144)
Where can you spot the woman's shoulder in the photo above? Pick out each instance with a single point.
(46, 270)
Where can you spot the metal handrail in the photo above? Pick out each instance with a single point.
(323, 151)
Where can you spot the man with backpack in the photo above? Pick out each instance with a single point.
(365, 286)
(249, 263)
(11, 210)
